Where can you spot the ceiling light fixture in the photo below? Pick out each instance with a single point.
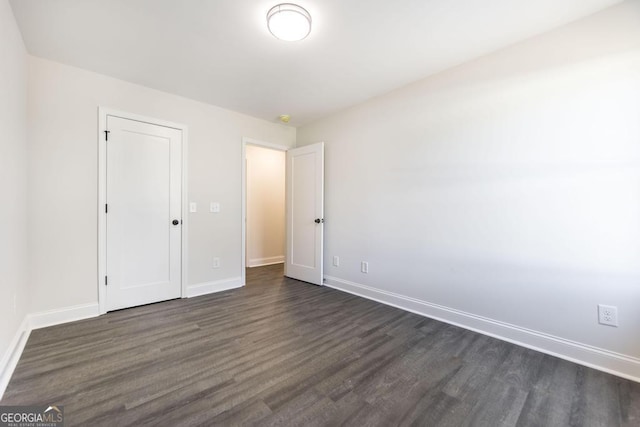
(289, 22)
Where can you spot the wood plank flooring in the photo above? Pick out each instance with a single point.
(282, 352)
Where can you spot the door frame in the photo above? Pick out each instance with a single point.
(103, 112)
(250, 141)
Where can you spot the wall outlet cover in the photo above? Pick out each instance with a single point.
(608, 315)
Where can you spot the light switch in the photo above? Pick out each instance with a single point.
(214, 207)
(193, 207)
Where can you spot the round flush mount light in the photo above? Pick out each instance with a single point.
(289, 22)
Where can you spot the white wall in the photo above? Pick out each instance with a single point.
(504, 194)
(13, 183)
(265, 205)
(63, 121)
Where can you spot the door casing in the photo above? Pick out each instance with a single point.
(103, 112)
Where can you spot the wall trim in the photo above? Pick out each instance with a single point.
(12, 355)
(259, 262)
(63, 315)
(36, 321)
(593, 357)
(205, 288)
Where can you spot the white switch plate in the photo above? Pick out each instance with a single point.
(364, 267)
(336, 261)
(193, 207)
(216, 262)
(214, 207)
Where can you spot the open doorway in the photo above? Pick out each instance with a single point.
(265, 239)
(264, 204)
(303, 169)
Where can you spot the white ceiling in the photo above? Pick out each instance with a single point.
(220, 51)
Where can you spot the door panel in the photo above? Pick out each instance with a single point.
(143, 196)
(305, 206)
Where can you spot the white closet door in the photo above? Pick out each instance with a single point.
(144, 215)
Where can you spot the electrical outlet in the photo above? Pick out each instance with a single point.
(216, 262)
(607, 315)
(364, 267)
(214, 207)
(336, 261)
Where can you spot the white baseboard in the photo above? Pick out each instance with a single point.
(62, 315)
(36, 321)
(604, 360)
(211, 287)
(12, 355)
(260, 262)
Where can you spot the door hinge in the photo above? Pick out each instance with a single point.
(106, 208)
(106, 282)
(106, 135)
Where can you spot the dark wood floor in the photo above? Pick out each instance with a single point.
(282, 352)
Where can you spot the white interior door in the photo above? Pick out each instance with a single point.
(305, 213)
(143, 220)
